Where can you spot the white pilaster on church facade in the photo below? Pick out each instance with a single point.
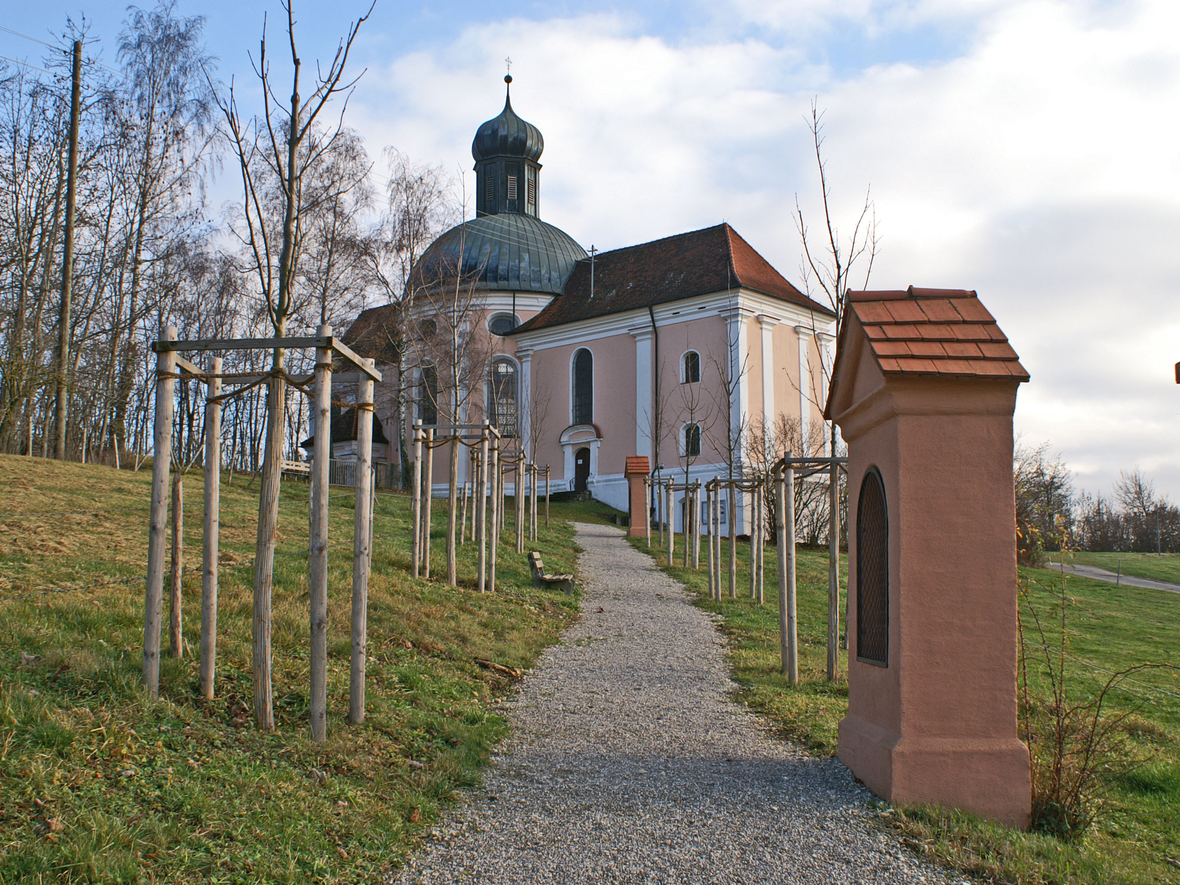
(767, 324)
(804, 333)
(827, 342)
(737, 334)
(525, 408)
(644, 396)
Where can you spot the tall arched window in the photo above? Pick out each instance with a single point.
(692, 440)
(583, 387)
(872, 572)
(502, 396)
(428, 396)
(690, 368)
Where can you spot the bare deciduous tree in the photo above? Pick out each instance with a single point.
(829, 264)
(280, 144)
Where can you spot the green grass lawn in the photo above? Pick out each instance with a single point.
(1136, 838)
(100, 784)
(1155, 566)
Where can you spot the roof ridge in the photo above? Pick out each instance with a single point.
(599, 255)
(730, 233)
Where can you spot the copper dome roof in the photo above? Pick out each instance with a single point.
(510, 252)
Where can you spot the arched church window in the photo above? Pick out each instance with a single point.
(502, 396)
(690, 368)
(428, 396)
(583, 387)
(872, 572)
(692, 440)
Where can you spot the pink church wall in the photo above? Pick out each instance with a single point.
(707, 336)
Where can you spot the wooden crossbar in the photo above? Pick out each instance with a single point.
(318, 341)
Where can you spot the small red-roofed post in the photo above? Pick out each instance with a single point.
(636, 471)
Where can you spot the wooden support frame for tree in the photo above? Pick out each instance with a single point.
(476, 438)
(784, 473)
(753, 487)
(169, 365)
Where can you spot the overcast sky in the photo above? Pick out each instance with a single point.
(1027, 150)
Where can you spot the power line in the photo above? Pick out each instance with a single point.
(17, 61)
(27, 37)
(91, 62)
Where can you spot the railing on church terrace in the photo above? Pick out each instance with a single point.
(343, 473)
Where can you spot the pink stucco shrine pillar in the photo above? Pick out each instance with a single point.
(923, 390)
(637, 467)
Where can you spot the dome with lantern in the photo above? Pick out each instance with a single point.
(506, 247)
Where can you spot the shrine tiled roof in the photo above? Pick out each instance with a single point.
(934, 332)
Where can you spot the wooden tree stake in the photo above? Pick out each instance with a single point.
(481, 513)
(427, 501)
(791, 663)
(732, 540)
(317, 567)
(416, 505)
(453, 514)
(362, 552)
(161, 465)
(709, 525)
(212, 530)
(175, 600)
(833, 569)
(497, 498)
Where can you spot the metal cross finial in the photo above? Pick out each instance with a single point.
(508, 62)
(593, 252)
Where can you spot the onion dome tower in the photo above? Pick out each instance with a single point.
(506, 247)
(506, 150)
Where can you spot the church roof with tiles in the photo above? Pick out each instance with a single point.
(715, 259)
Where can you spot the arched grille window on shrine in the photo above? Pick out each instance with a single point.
(502, 396)
(583, 387)
(872, 572)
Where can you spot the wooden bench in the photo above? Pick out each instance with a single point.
(301, 469)
(540, 579)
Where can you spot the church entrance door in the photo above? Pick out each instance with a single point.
(581, 469)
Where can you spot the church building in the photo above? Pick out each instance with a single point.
(691, 350)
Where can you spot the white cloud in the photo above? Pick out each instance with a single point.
(1038, 166)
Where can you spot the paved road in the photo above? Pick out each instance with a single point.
(629, 762)
(1101, 574)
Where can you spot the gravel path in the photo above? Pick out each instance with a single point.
(1101, 574)
(630, 762)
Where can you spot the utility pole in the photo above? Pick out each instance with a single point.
(61, 405)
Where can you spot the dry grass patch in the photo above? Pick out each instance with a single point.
(100, 784)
